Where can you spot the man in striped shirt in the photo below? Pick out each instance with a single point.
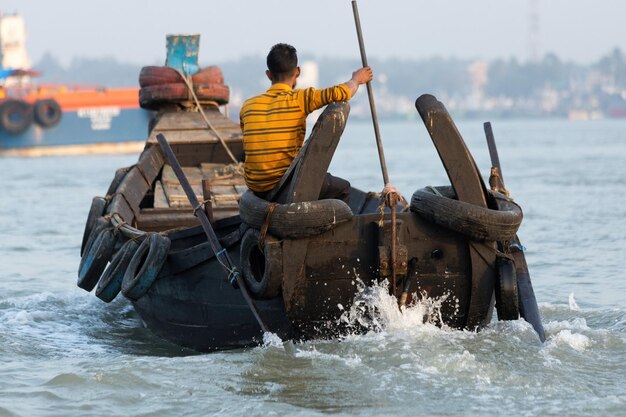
(274, 123)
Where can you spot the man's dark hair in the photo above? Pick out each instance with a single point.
(282, 60)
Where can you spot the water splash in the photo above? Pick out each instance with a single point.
(272, 340)
(374, 309)
(572, 303)
(576, 341)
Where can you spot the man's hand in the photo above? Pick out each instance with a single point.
(362, 75)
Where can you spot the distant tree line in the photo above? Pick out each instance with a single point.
(400, 77)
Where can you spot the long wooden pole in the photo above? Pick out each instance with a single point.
(370, 94)
(493, 151)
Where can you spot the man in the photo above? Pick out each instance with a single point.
(274, 123)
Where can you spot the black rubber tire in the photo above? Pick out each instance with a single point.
(98, 253)
(145, 266)
(255, 268)
(296, 220)
(477, 223)
(98, 205)
(120, 173)
(110, 283)
(47, 112)
(16, 116)
(507, 296)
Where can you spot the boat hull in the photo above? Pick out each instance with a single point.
(312, 278)
(193, 305)
(109, 129)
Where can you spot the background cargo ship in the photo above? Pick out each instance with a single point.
(52, 119)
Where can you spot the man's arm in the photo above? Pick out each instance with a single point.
(360, 76)
(312, 99)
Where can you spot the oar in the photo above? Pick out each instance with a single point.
(370, 94)
(527, 301)
(234, 277)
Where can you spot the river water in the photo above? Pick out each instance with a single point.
(63, 352)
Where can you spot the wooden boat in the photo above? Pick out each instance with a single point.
(451, 242)
(303, 260)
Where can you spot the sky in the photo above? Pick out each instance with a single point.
(134, 31)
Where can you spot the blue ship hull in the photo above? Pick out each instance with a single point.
(86, 130)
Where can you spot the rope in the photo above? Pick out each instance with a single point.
(187, 81)
(266, 225)
(390, 197)
(117, 227)
(496, 183)
(200, 206)
(232, 272)
(388, 194)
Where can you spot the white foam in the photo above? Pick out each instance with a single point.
(576, 341)
(312, 353)
(572, 303)
(23, 317)
(577, 323)
(272, 340)
(374, 309)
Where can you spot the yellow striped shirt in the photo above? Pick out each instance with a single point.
(274, 125)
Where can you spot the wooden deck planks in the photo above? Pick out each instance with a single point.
(225, 187)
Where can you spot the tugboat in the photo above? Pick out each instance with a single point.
(56, 119)
(302, 260)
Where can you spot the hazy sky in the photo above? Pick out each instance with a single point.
(134, 31)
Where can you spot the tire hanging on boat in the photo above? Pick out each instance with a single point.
(437, 205)
(295, 220)
(94, 261)
(47, 112)
(507, 297)
(261, 268)
(16, 116)
(145, 265)
(120, 173)
(110, 283)
(98, 205)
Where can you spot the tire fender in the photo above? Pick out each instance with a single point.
(438, 205)
(145, 265)
(98, 205)
(120, 173)
(110, 283)
(295, 220)
(262, 270)
(16, 116)
(97, 255)
(507, 297)
(47, 112)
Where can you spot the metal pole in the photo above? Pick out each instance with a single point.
(370, 94)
